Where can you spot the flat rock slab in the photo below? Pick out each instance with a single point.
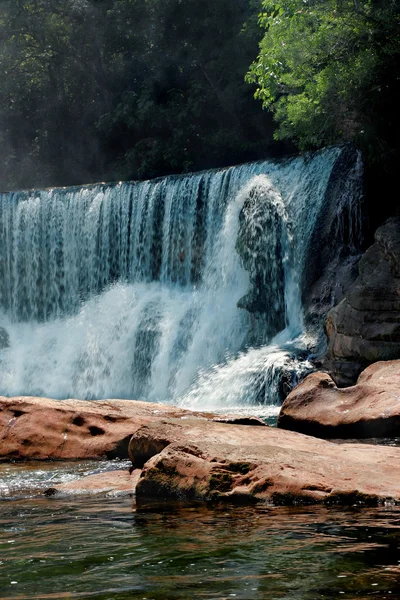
(109, 483)
(41, 428)
(198, 460)
(45, 429)
(371, 408)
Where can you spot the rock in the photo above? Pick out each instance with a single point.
(262, 244)
(389, 239)
(41, 429)
(337, 222)
(240, 420)
(369, 409)
(110, 483)
(4, 339)
(199, 460)
(365, 326)
(45, 429)
(329, 289)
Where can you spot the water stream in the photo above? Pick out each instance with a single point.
(185, 289)
(111, 549)
(189, 290)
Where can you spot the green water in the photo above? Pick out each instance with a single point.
(110, 548)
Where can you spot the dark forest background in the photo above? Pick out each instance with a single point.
(96, 90)
(126, 89)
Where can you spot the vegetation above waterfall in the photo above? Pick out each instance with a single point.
(121, 89)
(329, 70)
(125, 89)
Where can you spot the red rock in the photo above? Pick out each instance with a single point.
(198, 460)
(41, 429)
(110, 483)
(369, 409)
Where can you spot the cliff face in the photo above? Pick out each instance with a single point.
(365, 326)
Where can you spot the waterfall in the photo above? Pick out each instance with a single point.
(185, 288)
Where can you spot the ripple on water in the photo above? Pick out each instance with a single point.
(30, 478)
(109, 549)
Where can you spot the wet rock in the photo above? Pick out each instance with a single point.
(330, 289)
(200, 460)
(240, 420)
(339, 223)
(369, 409)
(365, 326)
(388, 238)
(4, 339)
(45, 429)
(109, 483)
(262, 244)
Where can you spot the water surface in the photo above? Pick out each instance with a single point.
(110, 548)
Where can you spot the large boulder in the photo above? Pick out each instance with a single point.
(193, 459)
(45, 429)
(42, 429)
(263, 244)
(365, 327)
(369, 409)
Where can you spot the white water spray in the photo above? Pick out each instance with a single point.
(132, 290)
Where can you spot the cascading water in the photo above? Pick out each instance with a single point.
(184, 289)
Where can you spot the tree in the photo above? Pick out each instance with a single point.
(329, 70)
(187, 106)
(126, 89)
(53, 83)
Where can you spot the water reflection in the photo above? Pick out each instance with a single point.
(108, 549)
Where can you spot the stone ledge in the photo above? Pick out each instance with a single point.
(369, 409)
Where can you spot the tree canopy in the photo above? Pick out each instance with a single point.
(329, 70)
(120, 89)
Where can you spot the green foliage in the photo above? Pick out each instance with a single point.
(191, 109)
(329, 69)
(52, 86)
(119, 89)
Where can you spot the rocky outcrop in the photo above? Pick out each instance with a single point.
(45, 429)
(365, 326)
(42, 429)
(369, 409)
(192, 459)
(179, 455)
